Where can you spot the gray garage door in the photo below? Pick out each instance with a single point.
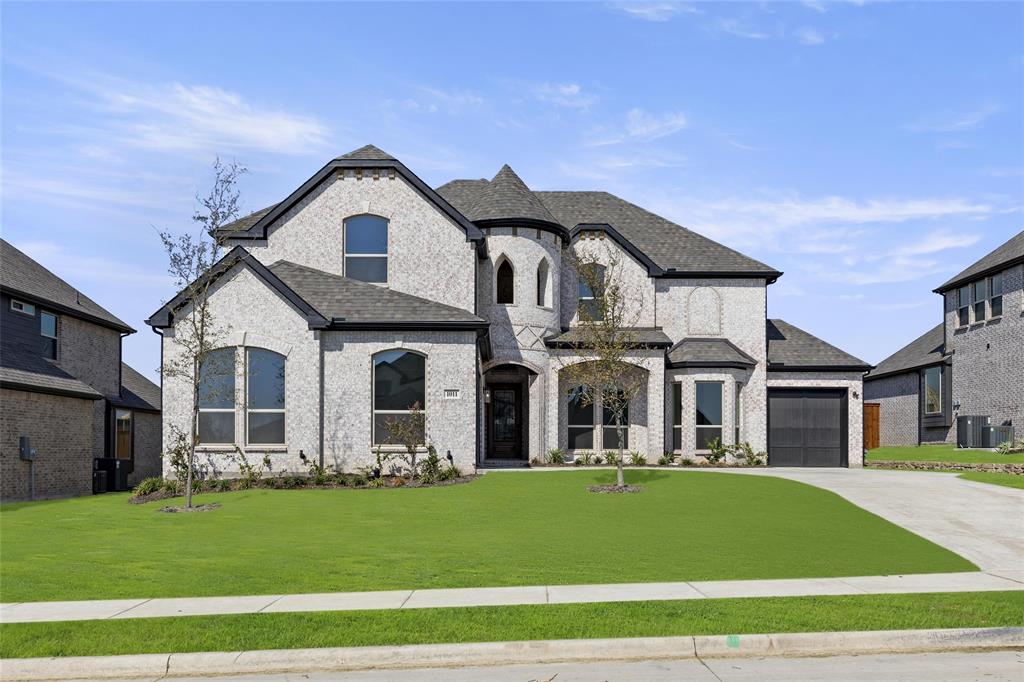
(807, 427)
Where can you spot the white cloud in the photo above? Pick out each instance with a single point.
(570, 95)
(431, 100)
(75, 266)
(655, 11)
(650, 127)
(809, 36)
(737, 28)
(953, 122)
(934, 242)
(814, 5)
(896, 269)
(907, 305)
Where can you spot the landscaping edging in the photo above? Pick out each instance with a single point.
(513, 653)
(1007, 468)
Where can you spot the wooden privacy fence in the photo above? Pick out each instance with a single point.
(872, 425)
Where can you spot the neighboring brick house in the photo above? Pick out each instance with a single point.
(63, 385)
(366, 291)
(972, 363)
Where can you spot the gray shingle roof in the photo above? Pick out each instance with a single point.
(701, 352)
(792, 348)
(137, 392)
(1003, 256)
(334, 296)
(652, 337)
(506, 196)
(26, 369)
(926, 349)
(369, 153)
(19, 274)
(249, 220)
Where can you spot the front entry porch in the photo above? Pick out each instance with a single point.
(507, 415)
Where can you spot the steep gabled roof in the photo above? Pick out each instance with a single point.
(255, 225)
(791, 348)
(1000, 258)
(704, 352)
(22, 277)
(351, 304)
(927, 349)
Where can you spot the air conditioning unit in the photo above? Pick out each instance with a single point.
(969, 430)
(994, 436)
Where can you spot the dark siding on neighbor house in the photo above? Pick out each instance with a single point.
(20, 330)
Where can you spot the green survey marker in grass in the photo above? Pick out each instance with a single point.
(501, 529)
(511, 623)
(940, 453)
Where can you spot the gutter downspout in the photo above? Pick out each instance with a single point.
(321, 444)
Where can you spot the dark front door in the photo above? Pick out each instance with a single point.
(505, 432)
(807, 428)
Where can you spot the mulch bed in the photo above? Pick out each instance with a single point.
(197, 508)
(614, 489)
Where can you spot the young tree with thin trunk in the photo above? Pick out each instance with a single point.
(196, 333)
(607, 314)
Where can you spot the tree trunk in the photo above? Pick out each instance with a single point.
(620, 479)
(192, 450)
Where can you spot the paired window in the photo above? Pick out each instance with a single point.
(366, 248)
(709, 413)
(22, 307)
(591, 278)
(505, 283)
(399, 394)
(583, 425)
(264, 400)
(980, 300)
(48, 334)
(122, 434)
(933, 390)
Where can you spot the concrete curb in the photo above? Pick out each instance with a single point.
(511, 653)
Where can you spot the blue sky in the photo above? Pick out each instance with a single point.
(869, 151)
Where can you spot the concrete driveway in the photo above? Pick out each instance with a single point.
(981, 522)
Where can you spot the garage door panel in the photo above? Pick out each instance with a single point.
(807, 427)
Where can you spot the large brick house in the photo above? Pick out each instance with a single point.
(366, 291)
(64, 387)
(971, 363)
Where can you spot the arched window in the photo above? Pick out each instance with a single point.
(543, 285)
(216, 396)
(264, 386)
(366, 248)
(399, 394)
(505, 283)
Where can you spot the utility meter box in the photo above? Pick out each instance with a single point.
(25, 449)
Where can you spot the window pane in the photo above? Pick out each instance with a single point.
(503, 407)
(979, 290)
(399, 380)
(47, 324)
(581, 438)
(382, 425)
(506, 283)
(590, 309)
(677, 438)
(373, 270)
(677, 404)
(611, 438)
(997, 306)
(542, 283)
(366, 234)
(979, 311)
(49, 347)
(609, 415)
(266, 427)
(266, 380)
(706, 435)
(709, 403)
(965, 316)
(216, 427)
(997, 285)
(123, 434)
(965, 296)
(578, 412)
(933, 390)
(217, 380)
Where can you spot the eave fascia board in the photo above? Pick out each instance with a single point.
(40, 301)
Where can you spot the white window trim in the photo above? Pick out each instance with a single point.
(983, 301)
(969, 305)
(545, 302)
(25, 309)
(502, 259)
(56, 320)
(991, 295)
(231, 410)
(698, 427)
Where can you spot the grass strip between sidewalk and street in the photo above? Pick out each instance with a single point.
(512, 623)
(940, 453)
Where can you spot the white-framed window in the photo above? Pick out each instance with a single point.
(933, 390)
(399, 393)
(216, 397)
(709, 412)
(963, 306)
(543, 284)
(980, 291)
(48, 334)
(122, 433)
(265, 397)
(505, 282)
(588, 303)
(995, 292)
(738, 411)
(22, 307)
(366, 248)
(677, 417)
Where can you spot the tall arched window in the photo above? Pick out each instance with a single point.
(399, 393)
(543, 285)
(366, 248)
(216, 396)
(264, 386)
(505, 283)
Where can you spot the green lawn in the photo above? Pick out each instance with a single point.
(940, 453)
(509, 623)
(995, 478)
(502, 529)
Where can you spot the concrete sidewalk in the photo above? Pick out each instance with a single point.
(980, 581)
